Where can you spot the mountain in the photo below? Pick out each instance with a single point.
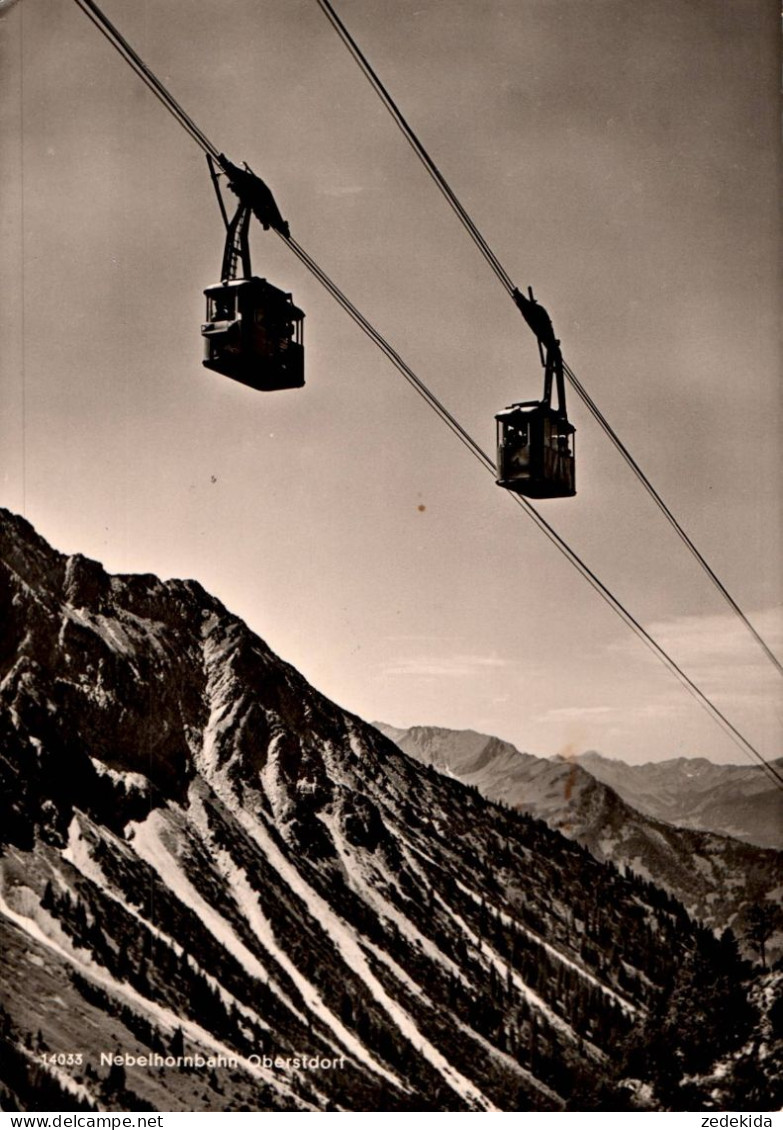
(220, 891)
(717, 878)
(733, 800)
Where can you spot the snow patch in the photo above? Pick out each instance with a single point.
(162, 1016)
(120, 776)
(77, 853)
(349, 949)
(247, 899)
(270, 779)
(357, 879)
(148, 842)
(503, 1057)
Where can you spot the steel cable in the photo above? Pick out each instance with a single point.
(118, 41)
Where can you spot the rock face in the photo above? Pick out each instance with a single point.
(219, 891)
(717, 878)
(732, 800)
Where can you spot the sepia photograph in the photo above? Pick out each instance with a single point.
(391, 588)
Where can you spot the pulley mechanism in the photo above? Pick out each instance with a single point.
(535, 442)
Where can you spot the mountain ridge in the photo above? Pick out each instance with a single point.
(716, 877)
(733, 800)
(203, 855)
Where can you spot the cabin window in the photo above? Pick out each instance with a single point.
(562, 440)
(514, 435)
(221, 307)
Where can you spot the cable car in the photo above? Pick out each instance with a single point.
(536, 442)
(253, 334)
(253, 331)
(535, 453)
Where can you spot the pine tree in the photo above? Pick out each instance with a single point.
(177, 1045)
(763, 919)
(115, 1080)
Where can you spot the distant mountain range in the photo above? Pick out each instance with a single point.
(716, 877)
(221, 891)
(732, 800)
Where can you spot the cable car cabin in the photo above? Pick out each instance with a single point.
(253, 334)
(535, 451)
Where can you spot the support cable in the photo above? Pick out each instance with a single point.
(118, 41)
(668, 515)
(416, 145)
(130, 56)
(494, 263)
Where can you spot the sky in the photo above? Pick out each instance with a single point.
(620, 156)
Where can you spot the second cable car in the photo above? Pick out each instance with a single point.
(535, 442)
(253, 330)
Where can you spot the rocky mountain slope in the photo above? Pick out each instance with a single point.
(220, 891)
(732, 800)
(716, 877)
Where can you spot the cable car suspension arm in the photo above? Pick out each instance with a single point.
(548, 346)
(254, 198)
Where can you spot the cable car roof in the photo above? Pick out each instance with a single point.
(529, 408)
